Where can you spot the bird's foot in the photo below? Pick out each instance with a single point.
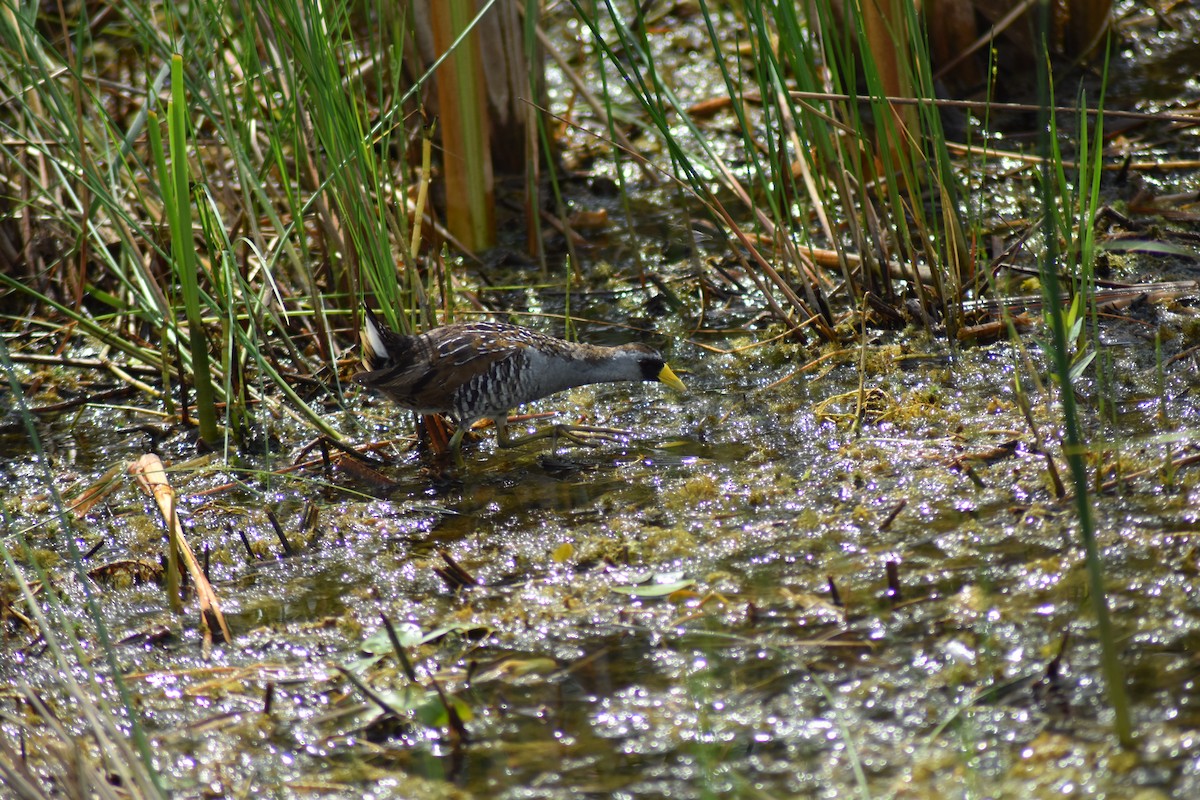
(589, 435)
(584, 435)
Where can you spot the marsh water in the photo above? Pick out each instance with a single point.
(824, 571)
(703, 608)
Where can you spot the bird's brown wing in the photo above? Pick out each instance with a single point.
(444, 359)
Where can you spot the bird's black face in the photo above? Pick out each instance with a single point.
(652, 365)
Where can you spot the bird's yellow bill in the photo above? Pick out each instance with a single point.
(671, 379)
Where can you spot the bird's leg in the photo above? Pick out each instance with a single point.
(501, 424)
(455, 448)
(587, 435)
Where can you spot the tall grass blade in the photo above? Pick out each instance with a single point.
(1075, 446)
(179, 213)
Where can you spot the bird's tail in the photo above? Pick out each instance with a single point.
(374, 338)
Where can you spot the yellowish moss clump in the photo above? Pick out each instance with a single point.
(1190, 330)
(148, 533)
(780, 353)
(759, 494)
(699, 489)
(882, 360)
(666, 543)
(997, 406)
(48, 559)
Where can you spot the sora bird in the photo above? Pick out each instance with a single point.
(478, 370)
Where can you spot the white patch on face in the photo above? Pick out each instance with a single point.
(375, 340)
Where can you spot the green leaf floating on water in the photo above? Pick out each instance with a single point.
(1148, 246)
(379, 644)
(654, 589)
